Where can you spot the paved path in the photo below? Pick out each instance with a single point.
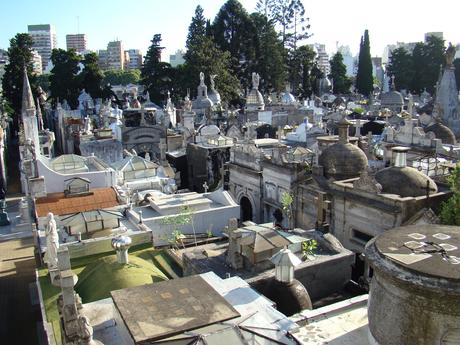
(18, 317)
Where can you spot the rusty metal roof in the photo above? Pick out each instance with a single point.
(58, 204)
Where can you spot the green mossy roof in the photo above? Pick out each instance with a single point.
(105, 274)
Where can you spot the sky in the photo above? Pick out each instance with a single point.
(134, 23)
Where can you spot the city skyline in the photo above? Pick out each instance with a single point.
(105, 21)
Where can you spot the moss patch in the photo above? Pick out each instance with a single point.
(105, 274)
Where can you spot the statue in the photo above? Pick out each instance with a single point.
(450, 55)
(202, 79)
(50, 136)
(29, 152)
(255, 80)
(187, 104)
(147, 156)
(86, 330)
(52, 241)
(212, 76)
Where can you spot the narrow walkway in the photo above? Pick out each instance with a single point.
(18, 317)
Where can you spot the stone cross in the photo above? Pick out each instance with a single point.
(205, 186)
(358, 126)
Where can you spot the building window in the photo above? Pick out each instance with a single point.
(360, 236)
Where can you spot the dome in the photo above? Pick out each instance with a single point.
(405, 181)
(255, 98)
(214, 96)
(202, 103)
(288, 98)
(290, 298)
(105, 274)
(392, 98)
(442, 132)
(343, 161)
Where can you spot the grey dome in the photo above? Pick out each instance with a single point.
(287, 98)
(290, 298)
(442, 132)
(214, 96)
(405, 181)
(343, 161)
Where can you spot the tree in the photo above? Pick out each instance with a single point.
(155, 74)
(290, 16)
(234, 32)
(450, 209)
(401, 67)
(119, 77)
(286, 201)
(339, 74)
(20, 56)
(301, 62)
(269, 55)
(427, 58)
(196, 29)
(91, 77)
(207, 58)
(364, 79)
(64, 80)
(43, 80)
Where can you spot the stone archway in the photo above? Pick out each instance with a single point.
(245, 209)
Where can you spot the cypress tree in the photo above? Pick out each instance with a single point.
(339, 74)
(364, 79)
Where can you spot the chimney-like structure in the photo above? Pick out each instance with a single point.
(284, 262)
(400, 156)
(121, 245)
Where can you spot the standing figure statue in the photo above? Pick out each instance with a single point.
(255, 80)
(450, 55)
(213, 85)
(201, 79)
(52, 242)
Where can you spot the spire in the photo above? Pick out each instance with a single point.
(27, 97)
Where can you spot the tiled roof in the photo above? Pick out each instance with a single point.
(58, 204)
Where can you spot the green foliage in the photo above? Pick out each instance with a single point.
(64, 79)
(286, 202)
(20, 56)
(290, 16)
(156, 75)
(339, 75)
(270, 60)
(207, 58)
(234, 32)
(119, 77)
(308, 247)
(176, 222)
(426, 59)
(91, 76)
(43, 80)
(301, 62)
(196, 29)
(401, 67)
(450, 209)
(364, 79)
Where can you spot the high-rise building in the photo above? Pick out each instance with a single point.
(135, 59)
(77, 42)
(322, 58)
(3, 62)
(438, 34)
(177, 58)
(102, 58)
(348, 59)
(44, 41)
(115, 55)
(37, 62)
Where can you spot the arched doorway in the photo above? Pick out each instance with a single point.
(245, 209)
